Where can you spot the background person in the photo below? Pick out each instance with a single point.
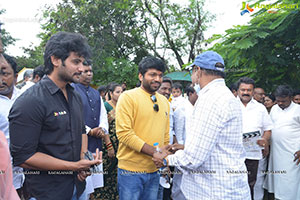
(110, 162)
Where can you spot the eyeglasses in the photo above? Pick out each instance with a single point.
(154, 100)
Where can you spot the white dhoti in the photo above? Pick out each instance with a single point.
(260, 178)
(283, 177)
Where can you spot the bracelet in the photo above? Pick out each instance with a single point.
(109, 148)
(109, 145)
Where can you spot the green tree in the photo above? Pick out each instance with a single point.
(7, 39)
(122, 32)
(267, 49)
(175, 29)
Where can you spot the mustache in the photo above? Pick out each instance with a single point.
(245, 95)
(4, 84)
(77, 73)
(157, 82)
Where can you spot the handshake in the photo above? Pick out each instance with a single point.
(159, 156)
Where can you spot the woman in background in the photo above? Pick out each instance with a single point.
(269, 102)
(110, 162)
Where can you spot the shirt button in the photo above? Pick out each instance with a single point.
(94, 118)
(92, 109)
(90, 100)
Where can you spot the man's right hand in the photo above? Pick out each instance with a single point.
(176, 147)
(84, 164)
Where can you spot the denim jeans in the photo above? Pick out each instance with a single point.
(137, 186)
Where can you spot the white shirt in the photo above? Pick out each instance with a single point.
(103, 121)
(6, 104)
(212, 161)
(182, 116)
(283, 177)
(176, 101)
(255, 118)
(27, 85)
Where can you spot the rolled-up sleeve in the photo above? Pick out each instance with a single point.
(25, 123)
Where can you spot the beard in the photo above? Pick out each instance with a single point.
(149, 88)
(7, 90)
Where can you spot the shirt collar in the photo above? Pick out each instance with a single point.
(83, 86)
(251, 102)
(52, 87)
(218, 81)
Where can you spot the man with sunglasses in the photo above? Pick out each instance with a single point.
(212, 161)
(142, 119)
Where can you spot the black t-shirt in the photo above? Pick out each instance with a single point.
(42, 120)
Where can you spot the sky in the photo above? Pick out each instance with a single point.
(21, 19)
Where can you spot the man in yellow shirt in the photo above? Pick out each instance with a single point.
(142, 119)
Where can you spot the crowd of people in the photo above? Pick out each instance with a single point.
(63, 139)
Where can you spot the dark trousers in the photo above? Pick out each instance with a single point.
(252, 166)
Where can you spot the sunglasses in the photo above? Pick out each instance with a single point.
(154, 100)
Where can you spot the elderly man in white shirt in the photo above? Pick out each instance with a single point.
(8, 94)
(182, 118)
(212, 161)
(283, 177)
(255, 119)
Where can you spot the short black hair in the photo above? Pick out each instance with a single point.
(11, 61)
(62, 44)
(39, 70)
(151, 62)
(189, 90)
(111, 88)
(271, 96)
(234, 86)
(102, 88)
(177, 86)
(283, 91)
(296, 92)
(167, 80)
(245, 80)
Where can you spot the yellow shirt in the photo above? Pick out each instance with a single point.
(138, 123)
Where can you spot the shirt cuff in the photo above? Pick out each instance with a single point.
(105, 131)
(170, 159)
(87, 129)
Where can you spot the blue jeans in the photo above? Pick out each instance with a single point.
(83, 196)
(137, 186)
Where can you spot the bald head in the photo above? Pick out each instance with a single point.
(259, 95)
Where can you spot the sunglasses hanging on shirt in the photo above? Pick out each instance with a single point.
(154, 100)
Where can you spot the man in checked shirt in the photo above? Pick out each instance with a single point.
(212, 161)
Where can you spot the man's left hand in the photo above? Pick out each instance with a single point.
(82, 175)
(265, 144)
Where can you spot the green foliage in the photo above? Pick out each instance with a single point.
(267, 49)
(7, 39)
(122, 32)
(33, 57)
